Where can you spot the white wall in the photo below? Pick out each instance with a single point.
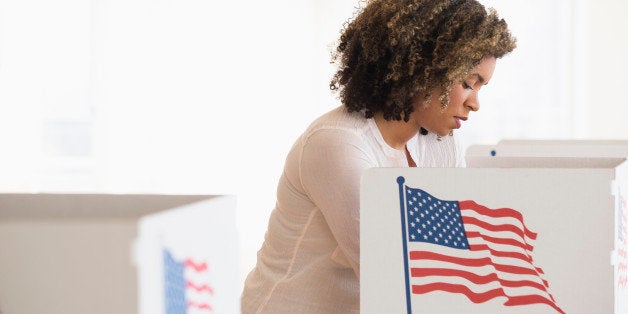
(607, 64)
(162, 96)
(584, 57)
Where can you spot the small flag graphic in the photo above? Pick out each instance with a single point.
(622, 244)
(187, 288)
(465, 248)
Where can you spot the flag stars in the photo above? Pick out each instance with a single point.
(438, 222)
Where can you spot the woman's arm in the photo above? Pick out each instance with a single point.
(331, 165)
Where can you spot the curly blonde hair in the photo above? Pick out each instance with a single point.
(394, 50)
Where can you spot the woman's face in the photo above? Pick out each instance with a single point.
(463, 99)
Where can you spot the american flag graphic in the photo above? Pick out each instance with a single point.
(465, 248)
(187, 288)
(622, 244)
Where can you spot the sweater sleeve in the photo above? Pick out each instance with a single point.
(332, 163)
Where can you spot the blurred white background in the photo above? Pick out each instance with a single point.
(206, 97)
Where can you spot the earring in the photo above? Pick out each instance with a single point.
(440, 138)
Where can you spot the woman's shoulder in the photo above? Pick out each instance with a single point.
(339, 120)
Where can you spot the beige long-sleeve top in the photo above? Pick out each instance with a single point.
(310, 259)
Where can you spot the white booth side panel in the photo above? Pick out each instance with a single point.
(620, 255)
(187, 259)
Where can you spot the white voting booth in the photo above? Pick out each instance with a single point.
(547, 148)
(103, 253)
(535, 235)
(195, 250)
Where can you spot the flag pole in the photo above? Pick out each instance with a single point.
(402, 203)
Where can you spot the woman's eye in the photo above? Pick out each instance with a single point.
(466, 86)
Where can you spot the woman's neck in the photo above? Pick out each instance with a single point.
(396, 133)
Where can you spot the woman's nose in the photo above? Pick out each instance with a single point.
(473, 103)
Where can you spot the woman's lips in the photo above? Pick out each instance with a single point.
(458, 123)
(459, 120)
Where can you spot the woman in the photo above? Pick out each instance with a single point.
(409, 74)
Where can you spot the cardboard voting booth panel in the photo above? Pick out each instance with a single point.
(93, 253)
(495, 240)
(548, 148)
(187, 260)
